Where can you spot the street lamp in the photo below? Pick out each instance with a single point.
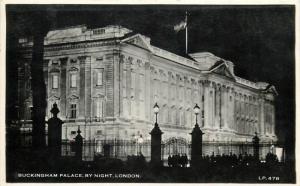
(196, 111)
(140, 142)
(156, 110)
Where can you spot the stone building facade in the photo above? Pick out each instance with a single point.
(107, 80)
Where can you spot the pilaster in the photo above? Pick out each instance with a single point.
(88, 84)
(81, 105)
(63, 84)
(261, 118)
(148, 108)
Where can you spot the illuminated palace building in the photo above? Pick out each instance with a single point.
(107, 80)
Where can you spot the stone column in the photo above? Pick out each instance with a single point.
(221, 108)
(82, 88)
(132, 93)
(116, 88)
(213, 104)
(223, 102)
(147, 91)
(152, 93)
(87, 89)
(217, 107)
(273, 119)
(232, 109)
(63, 84)
(261, 116)
(207, 111)
(121, 80)
(129, 99)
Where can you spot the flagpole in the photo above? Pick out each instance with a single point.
(186, 33)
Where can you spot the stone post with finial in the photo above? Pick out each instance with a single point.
(78, 145)
(54, 133)
(196, 145)
(255, 141)
(196, 154)
(156, 134)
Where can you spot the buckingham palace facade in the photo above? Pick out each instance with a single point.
(107, 80)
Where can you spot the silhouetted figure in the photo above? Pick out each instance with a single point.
(78, 145)
(180, 161)
(169, 161)
(106, 149)
(271, 158)
(185, 160)
(54, 133)
(240, 158)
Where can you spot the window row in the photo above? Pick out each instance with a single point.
(97, 109)
(73, 77)
(137, 88)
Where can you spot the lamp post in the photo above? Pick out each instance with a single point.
(196, 111)
(196, 153)
(156, 110)
(156, 140)
(140, 142)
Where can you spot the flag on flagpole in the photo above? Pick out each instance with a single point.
(180, 26)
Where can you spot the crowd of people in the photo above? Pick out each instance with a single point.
(231, 159)
(178, 160)
(271, 158)
(224, 159)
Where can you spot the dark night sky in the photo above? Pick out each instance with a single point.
(260, 40)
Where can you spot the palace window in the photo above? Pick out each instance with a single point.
(73, 81)
(73, 110)
(99, 81)
(99, 31)
(99, 108)
(55, 81)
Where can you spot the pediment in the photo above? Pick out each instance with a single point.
(140, 41)
(222, 69)
(99, 96)
(73, 69)
(53, 97)
(72, 97)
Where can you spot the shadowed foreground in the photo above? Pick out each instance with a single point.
(23, 162)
